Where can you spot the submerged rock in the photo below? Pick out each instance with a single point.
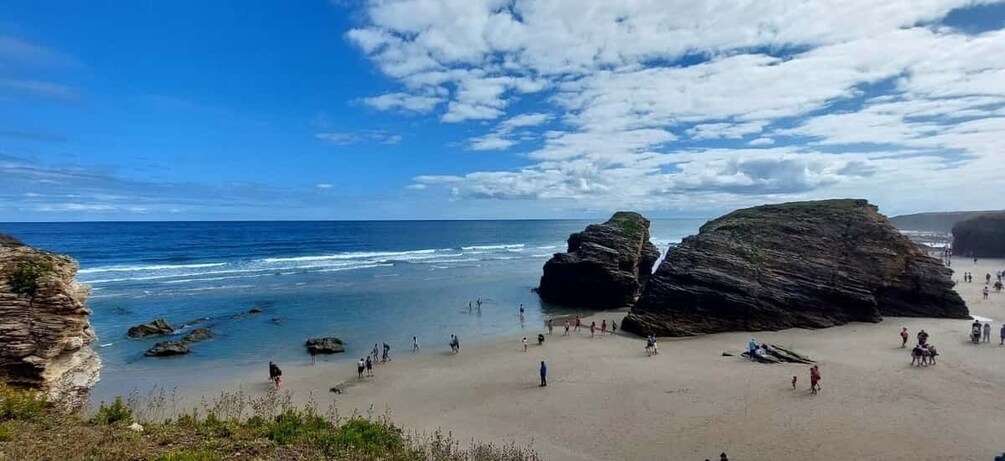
(158, 327)
(982, 236)
(45, 335)
(606, 266)
(198, 334)
(167, 348)
(806, 264)
(329, 345)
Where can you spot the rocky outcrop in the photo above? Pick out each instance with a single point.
(982, 236)
(806, 264)
(329, 345)
(158, 327)
(45, 335)
(196, 335)
(167, 349)
(606, 266)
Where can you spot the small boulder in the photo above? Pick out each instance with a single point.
(255, 310)
(199, 334)
(158, 327)
(329, 345)
(167, 348)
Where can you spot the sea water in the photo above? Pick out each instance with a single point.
(364, 282)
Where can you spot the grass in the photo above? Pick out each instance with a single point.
(232, 426)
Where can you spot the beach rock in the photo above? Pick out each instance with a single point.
(45, 335)
(199, 334)
(255, 310)
(167, 348)
(329, 345)
(806, 265)
(606, 266)
(982, 236)
(158, 327)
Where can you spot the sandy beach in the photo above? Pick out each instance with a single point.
(608, 400)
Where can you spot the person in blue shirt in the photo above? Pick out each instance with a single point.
(544, 374)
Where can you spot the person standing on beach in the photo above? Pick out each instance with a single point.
(903, 337)
(369, 367)
(566, 328)
(374, 352)
(360, 367)
(987, 332)
(387, 353)
(814, 379)
(986, 292)
(524, 341)
(593, 328)
(987, 279)
(923, 336)
(1002, 342)
(614, 327)
(314, 356)
(521, 310)
(550, 327)
(544, 374)
(603, 327)
(273, 371)
(578, 323)
(276, 374)
(415, 344)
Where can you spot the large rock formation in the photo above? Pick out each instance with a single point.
(982, 236)
(45, 335)
(606, 266)
(807, 264)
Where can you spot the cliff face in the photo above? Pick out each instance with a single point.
(606, 265)
(807, 264)
(45, 335)
(982, 236)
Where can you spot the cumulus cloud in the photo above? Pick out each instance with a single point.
(813, 98)
(343, 138)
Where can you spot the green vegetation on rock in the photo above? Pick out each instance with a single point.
(25, 276)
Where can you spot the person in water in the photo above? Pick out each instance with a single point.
(415, 344)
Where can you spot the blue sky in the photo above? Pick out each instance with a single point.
(494, 108)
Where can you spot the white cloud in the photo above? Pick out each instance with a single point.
(915, 98)
(343, 138)
(324, 186)
(404, 102)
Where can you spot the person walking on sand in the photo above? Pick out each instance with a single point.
(593, 328)
(524, 341)
(903, 337)
(932, 353)
(415, 344)
(314, 356)
(387, 353)
(550, 326)
(1002, 333)
(794, 382)
(544, 374)
(375, 352)
(986, 292)
(360, 367)
(603, 327)
(369, 367)
(614, 327)
(987, 332)
(814, 379)
(566, 328)
(923, 337)
(578, 323)
(273, 371)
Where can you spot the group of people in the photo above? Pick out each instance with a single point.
(651, 347)
(923, 353)
(982, 333)
(275, 374)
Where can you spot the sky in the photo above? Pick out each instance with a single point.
(483, 109)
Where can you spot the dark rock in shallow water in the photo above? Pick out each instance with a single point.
(606, 266)
(807, 264)
(167, 348)
(158, 327)
(199, 334)
(981, 236)
(328, 345)
(255, 310)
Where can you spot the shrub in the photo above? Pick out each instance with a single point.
(293, 425)
(6, 431)
(20, 404)
(117, 412)
(25, 276)
(375, 438)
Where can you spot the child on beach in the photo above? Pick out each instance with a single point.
(593, 328)
(524, 341)
(794, 382)
(578, 323)
(549, 326)
(567, 328)
(603, 327)
(903, 336)
(614, 327)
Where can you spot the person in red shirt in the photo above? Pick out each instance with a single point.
(814, 379)
(903, 336)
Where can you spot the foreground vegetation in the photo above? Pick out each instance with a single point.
(231, 427)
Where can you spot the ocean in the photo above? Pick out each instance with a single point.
(364, 282)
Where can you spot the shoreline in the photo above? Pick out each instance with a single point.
(607, 400)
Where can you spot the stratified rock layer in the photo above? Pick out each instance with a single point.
(981, 236)
(606, 266)
(45, 335)
(807, 264)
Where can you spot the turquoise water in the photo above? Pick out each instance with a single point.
(365, 282)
